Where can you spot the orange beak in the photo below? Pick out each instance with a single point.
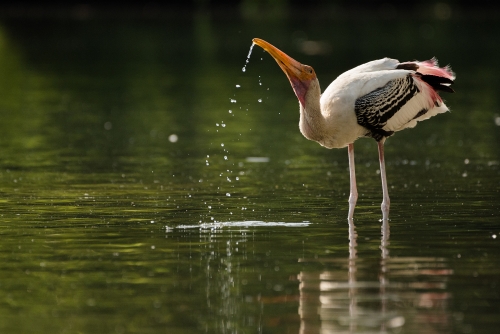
(300, 75)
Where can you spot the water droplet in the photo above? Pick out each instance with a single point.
(222, 144)
(238, 86)
(108, 126)
(248, 57)
(223, 125)
(250, 51)
(230, 111)
(260, 100)
(233, 101)
(173, 138)
(228, 194)
(225, 157)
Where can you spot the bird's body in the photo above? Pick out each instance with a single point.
(375, 99)
(358, 95)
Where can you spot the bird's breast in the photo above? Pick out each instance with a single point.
(340, 124)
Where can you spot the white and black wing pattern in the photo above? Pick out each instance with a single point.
(401, 102)
(376, 108)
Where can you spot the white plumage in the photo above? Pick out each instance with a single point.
(374, 99)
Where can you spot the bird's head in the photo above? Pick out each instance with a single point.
(300, 75)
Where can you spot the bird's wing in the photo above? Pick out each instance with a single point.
(402, 100)
(372, 66)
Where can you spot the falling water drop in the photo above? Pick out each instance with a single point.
(248, 58)
(250, 51)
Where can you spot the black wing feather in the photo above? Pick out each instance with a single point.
(438, 83)
(374, 109)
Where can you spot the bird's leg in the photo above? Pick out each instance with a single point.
(386, 201)
(353, 196)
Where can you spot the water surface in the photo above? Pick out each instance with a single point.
(146, 189)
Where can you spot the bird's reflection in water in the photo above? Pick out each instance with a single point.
(409, 293)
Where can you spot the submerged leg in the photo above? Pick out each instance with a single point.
(353, 196)
(386, 201)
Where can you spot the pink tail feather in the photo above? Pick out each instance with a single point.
(428, 76)
(431, 67)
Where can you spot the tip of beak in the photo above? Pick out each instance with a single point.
(300, 75)
(260, 42)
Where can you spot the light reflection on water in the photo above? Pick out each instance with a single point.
(245, 224)
(248, 286)
(410, 292)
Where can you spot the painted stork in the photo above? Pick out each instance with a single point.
(374, 99)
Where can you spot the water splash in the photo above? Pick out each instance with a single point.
(244, 224)
(248, 58)
(221, 125)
